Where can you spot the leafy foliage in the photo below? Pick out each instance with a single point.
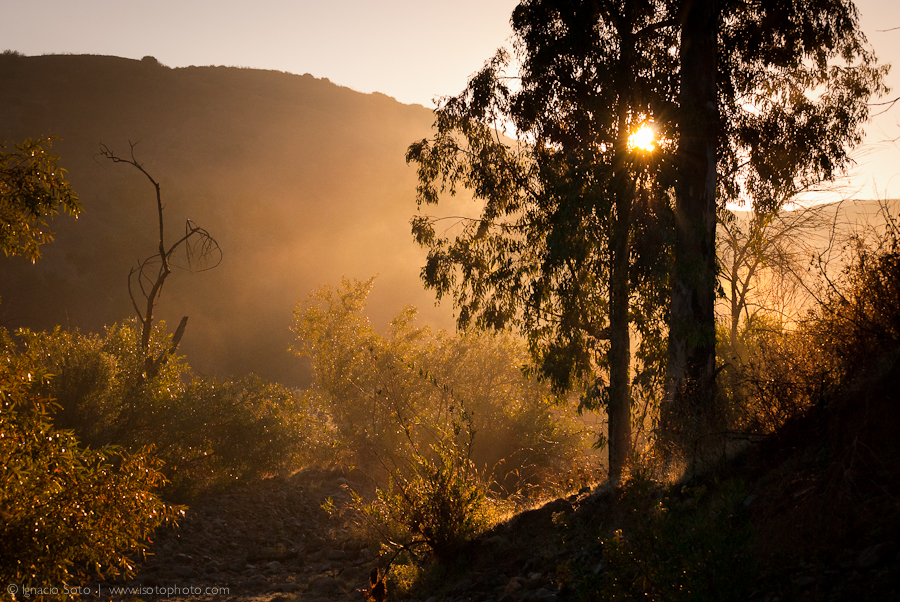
(571, 242)
(33, 189)
(860, 316)
(208, 432)
(386, 393)
(444, 424)
(789, 368)
(437, 496)
(67, 511)
(688, 545)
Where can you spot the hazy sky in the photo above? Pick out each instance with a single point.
(413, 50)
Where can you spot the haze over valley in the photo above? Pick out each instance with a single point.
(299, 180)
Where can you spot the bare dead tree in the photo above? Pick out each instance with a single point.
(202, 253)
(765, 259)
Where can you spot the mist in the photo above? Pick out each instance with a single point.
(300, 181)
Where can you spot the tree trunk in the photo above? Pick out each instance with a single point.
(692, 334)
(619, 409)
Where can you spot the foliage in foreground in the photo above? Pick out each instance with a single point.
(856, 320)
(438, 498)
(207, 432)
(33, 188)
(816, 389)
(388, 396)
(67, 511)
(445, 424)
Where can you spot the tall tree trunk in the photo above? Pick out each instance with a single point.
(692, 333)
(619, 409)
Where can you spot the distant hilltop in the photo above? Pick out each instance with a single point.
(301, 182)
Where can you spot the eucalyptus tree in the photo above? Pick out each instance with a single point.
(752, 101)
(570, 242)
(772, 96)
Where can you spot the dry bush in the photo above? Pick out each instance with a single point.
(386, 393)
(856, 321)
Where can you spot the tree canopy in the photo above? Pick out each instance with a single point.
(578, 236)
(33, 189)
(571, 243)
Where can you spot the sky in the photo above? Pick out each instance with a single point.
(412, 50)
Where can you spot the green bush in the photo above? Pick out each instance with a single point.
(445, 424)
(437, 498)
(206, 431)
(377, 388)
(67, 512)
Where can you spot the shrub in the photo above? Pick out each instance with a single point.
(441, 422)
(206, 431)
(437, 498)
(859, 319)
(785, 372)
(241, 430)
(856, 321)
(66, 511)
(379, 388)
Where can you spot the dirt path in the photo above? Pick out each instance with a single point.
(267, 542)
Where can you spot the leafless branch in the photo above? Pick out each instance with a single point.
(201, 250)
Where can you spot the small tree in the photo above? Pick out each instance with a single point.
(763, 258)
(67, 512)
(33, 188)
(201, 250)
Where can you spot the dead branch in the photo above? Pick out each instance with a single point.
(202, 252)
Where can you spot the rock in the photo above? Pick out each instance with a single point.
(323, 584)
(534, 579)
(336, 555)
(513, 585)
(184, 572)
(274, 566)
(462, 586)
(874, 555)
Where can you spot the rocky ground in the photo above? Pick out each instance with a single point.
(274, 542)
(271, 541)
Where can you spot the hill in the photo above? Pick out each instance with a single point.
(299, 180)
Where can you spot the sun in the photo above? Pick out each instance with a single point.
(643, 139)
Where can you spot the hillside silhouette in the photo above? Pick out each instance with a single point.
(300, 181)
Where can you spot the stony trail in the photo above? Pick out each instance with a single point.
(265, 542)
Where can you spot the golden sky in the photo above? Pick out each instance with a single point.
(412, 50)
